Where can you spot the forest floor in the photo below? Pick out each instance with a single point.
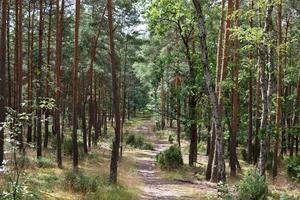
(139, 178)
(155, 185)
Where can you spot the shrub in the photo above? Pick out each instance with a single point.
(171, 139)
(170, 158)
(293, 167)
(223, 191)
(81, 183)
(252, 187)
(44, 162)
(68, 147)
(138, 141)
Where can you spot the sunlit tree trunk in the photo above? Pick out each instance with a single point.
(264, 55)
(218, 75)
(212, 94)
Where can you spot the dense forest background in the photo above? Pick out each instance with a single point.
(211, 88)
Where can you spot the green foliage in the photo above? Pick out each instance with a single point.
(138, 141)
(223, 191)
(170, 158)
(44, 162)
(68, 145)
(79, 182)
(293, 167)
(112, 192)
(171, 139)
(286, 196)
(252, 187)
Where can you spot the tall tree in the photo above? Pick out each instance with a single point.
(212, 139)
(47, 84)
(2, 74)
(75, 85)
(212, 94)
(116, 97)
(39, 85)
(58, 57)
(279, 89)
(264, 56)
(235, 101)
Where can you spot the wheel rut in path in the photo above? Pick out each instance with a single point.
(155, 187)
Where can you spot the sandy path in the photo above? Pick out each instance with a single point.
(154, 187)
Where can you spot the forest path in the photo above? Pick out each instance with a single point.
(155, 187)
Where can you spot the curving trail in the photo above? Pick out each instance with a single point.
(155, 187)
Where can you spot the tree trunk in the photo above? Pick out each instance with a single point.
(116, 97)
(264, 55)
(212, 94)
(279, 91)
(250, 104)
(218, 75)
(59, 29)
(48, 74)
(39, 87)
(235, 102)
(3, 84)
(75, 85)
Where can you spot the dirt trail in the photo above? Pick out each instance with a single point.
(155, 187)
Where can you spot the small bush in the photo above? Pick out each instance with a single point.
(68, 147)
(44, 162)
(138, 141)
(293, 167)
(223, 191)
(81, 183)
(171, 139)
(170, 158)
(252, 187)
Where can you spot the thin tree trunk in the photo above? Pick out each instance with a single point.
(250, 104)
(59, 29)
(235, 102)
(264, 56)
(279, 91)
(212, 94)
(3, 84)
(218, 75)
(39, 88)
(116, 97)
(48, 74)
(75, 84)
(30, 67)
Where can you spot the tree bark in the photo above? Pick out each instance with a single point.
(279, 90)
(3, 84)
(212, 94)
(39, 87)
(74, 86)
(264, 54)
(58, 47)
(48, 74)
(116, 97)
(235, 103)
